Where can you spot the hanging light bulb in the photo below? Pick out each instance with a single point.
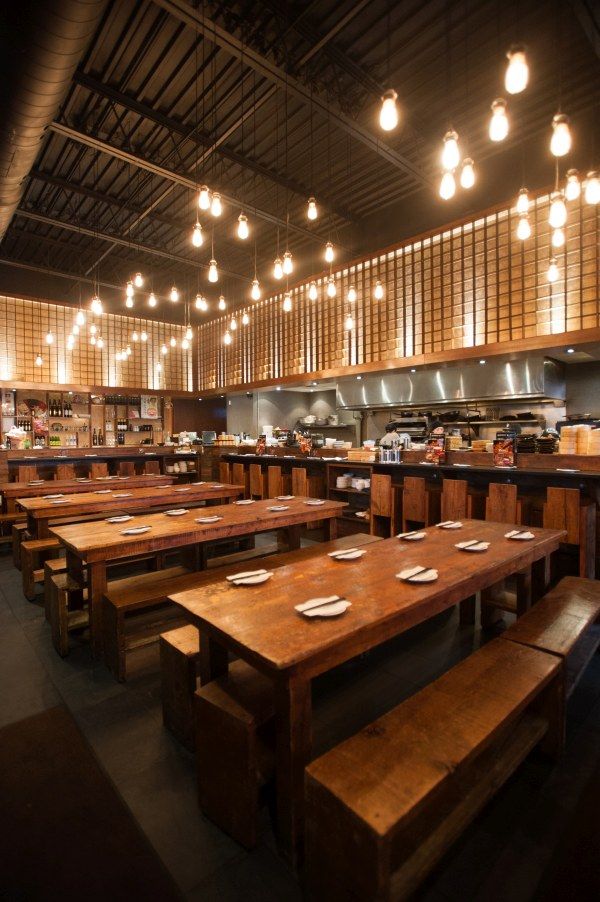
(331, 287)
(288, 263)
(558, 238)
(524, 227)
(216, 207)
(378, 293)
(129, 303)
(93, 329)
(203, 304)
(523, 202)
(173, 341)
(388, 115)
(245, 319)
(467, 173)
(233, 324)
(96, 305)
(49, 337)
(100, 342)
(213, 272)
(311, 211)
(560, 142)
(222, 304)
(287, 302)
(329, 252)
(185, 344)
(164, 349)
(128, 350)
(143, 336)
(198, 302)
(349, 323)
(189, 334)
(242, 230)
(93, 340)
(557, 215)
(573, 186)
(447, 187)
(134, 336)
(498, 129)
(255, 290)
(450, 151)
(204, 198)
(592, 187)
(138, 280)
(227, 338)
(197, 238)
(174, 294)
(351, 294)
(553, 272)
(80, 318)
(312, 291)
(39, 360)
(129, 290)
(517, 71)
(70, 342)
(277, 268)
(75, 329)
(159, 367)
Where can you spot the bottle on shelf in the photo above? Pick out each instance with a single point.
(94, 438)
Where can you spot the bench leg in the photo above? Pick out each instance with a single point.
(467, 611)
(553, 706)
(214, 660)
(293, 712)
(113, 641)
(178, 685)
(59, 621)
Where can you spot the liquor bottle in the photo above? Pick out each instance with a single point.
(94, 438)
(100, 438)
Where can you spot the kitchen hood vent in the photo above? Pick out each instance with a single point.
(526, 379)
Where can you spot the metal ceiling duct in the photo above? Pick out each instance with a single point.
(41, 45)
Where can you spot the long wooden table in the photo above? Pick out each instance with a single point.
(92, 546)
(111, 499)
(10, 491)
(260, 625)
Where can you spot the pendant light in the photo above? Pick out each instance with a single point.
(129, 303)
(164, 349)
(349, 322)
(152, 299)
(351, 294)
(213, 272)
(222, 304)
(288, 263)
(311, 211)
(242, 229)
(159, 367)
(227, 338)
(129, 290)
(553, 272)
(204, 198)
(134, 335)
(277, 268)
(557, 215)
(447, 187)
(592, 187)
(96, 305)
(185, 344)
(233, 324)
(189, 334)
(39, 360)
(467, 173)
(378, 292)
(216, 207)
(93, 329)
(524, 227)
(560, 142)
(498, 128)
(143, 336)
(70, 342)
(128, 350)
(313, 294)
(573, 186)
(49, 339)
(245, 319)
(174, 294)
(255, 290)
(93, 340)
(523, 202)
(75, 330)
(558, 238)
(198, 302)
(450, 151)
(517, 71)
(80, 318)
(329, 252)
(138, 280)
(287, 302)
(197, 239)
(100, 343)
(173, 341)
(388, 114)
(331, 287)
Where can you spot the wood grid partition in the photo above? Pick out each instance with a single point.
(467, 286)
(26, 322)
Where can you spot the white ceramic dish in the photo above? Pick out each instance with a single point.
(208, 519)
(244, 501)
(362, 514)
(57, 495)
(418, 575)
(123, 519)
(244, 574)
(276, 508)
(450, 524)
(177, 512)
(122, 494)
(329, 610)
(202, 482)
(39, 482)
(252, 580)
(412, 536)
(285, 497)
(350, 555)
(135, 530)
(83, 479)
(103, 492)
(519, 535)
(314, 502)
(60, 501)
(185, 488)
(473, 546)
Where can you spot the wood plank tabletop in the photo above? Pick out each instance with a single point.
(33, 489)
(260, 622)
(101, 541)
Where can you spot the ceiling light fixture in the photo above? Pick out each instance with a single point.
(222, 304)
(227, 338)
(450, 151)
(174, 294)
(592, 187)
(288, 263)
(287, 302)
(213, 272)
(498, 128)
(173, 341)
(277, 268)
(467, 173)
(152, 302)
(388, 115)
(255, 290)
(352, 294)
(233, 324)
(204, 198)
(311, 211)
(80, 318)
(524, 228)
(216, 207)
(378, 293)
(553, 271)
(197, 238)
(39, 360)
(129, 290)
(245, 319)
(242, 229)
(138, 280)
(189, 334)
(143, 336)
(100, 343)
(331, 287)
(96, 305)
(516, 76)
(560, 142)
(558, 238)
(313, 294)
(522, 202)
(573, 186)
(447, 188)
(93, 329)
(349, 322)
(557, 215)
(329, 253)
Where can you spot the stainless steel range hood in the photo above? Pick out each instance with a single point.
(526, 379)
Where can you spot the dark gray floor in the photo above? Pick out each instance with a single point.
(501, 857)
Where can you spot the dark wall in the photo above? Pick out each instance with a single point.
(189, 413)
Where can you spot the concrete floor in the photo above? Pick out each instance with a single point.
(501, 857)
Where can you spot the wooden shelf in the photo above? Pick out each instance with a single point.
(364, 492)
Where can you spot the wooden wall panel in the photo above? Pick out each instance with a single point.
(466, 286)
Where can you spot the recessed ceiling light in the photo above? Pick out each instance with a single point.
(278, 388)
(570, 350)
(413, 370)
(359, 378)
(482, 362)
(199, 399)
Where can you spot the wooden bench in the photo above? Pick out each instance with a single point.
(565, 623)
(567, 509)
(18, 534)
(420, 504)
(256, 482)
(274, 482)
(180, 648)
(225, 472)
(384, 806)
(64, 471)
(33, 554)
(235, 750)
(503, 506)
(63, 617)
(381, 505)
(98, 469)
(52, 567)
(239, 476)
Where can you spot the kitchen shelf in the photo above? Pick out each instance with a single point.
(364, 492)
(533, 422)
(329, 426)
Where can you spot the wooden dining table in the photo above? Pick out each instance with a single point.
(261, 625)
(93, 546)
(10, 491)
(120, 498)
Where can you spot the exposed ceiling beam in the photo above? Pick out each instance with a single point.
(200, 138)
(195, 19)
(588, 17)
(124, 242)
(56, 273)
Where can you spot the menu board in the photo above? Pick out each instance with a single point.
(149, 407)
(436, 450)
(504, 452)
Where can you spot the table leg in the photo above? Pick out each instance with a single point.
(96, 589)
(37, 529)
(541, 571)
(332, 529)
(214, 659)
(293, 711)
(467, 610)
(293, 537)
